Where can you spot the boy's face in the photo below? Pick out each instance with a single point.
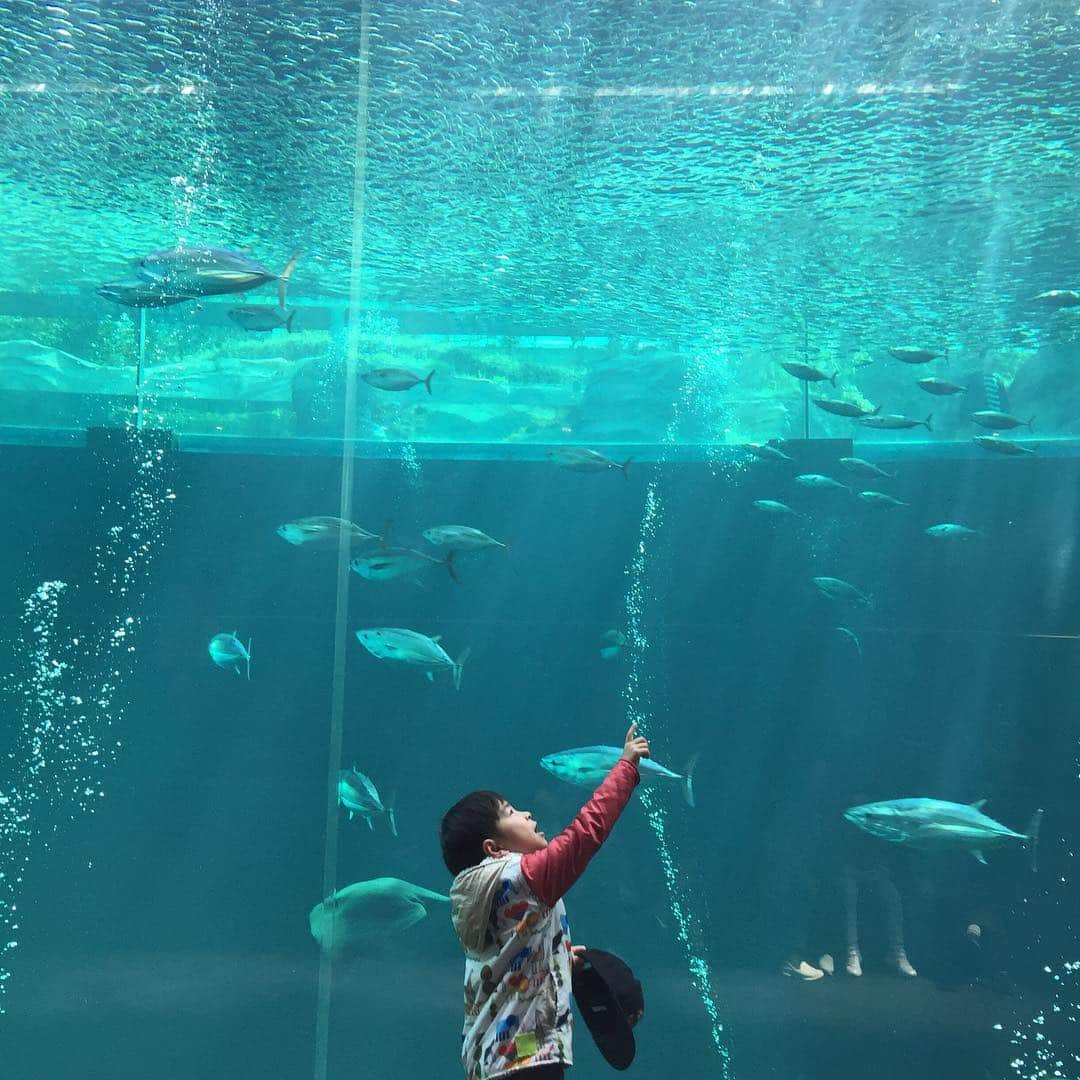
(515, 831)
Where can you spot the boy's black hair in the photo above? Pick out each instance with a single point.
(465, 827)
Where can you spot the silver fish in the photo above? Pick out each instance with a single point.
(228, 651)
(933, 824)
(766, 452)
(358, 794)
(940, 387)
(807, 373)
(771, 506)
(880, 499)
(368, 911)
(999, 421)
(209, 271)
(586, 766)
(950, 530)
(580, 459)
(820, 481)
(460, 538)
(613, 642)
(392, 378)
(914, 356)
(321, 533)
(860, 467)
(844, 408)
(1059, 298)
(1001, 446)
(263, 318)
(838, 589)
(141, 294)
(852, 637)
(391, 563)
(409, 647)
(895, 422)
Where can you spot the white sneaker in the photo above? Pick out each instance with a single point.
(802, 970)
(826, 963)
(900, 961)
(854, 962)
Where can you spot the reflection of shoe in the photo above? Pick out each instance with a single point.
(902, 964)
(826, 963)
(854, 962)
(801, 970)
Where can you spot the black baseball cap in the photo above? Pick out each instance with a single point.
(611, 1003)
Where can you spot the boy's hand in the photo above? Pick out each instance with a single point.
(635, 747)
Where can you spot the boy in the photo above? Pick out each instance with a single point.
(506, 903)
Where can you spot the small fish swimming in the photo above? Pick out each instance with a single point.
(321, 533)
(580, 459)
(141, 294)
(860, 467)
(586, 767)
(460, 538)
(807, 373)
(933, 824)
(819, 481)
(409, 647)
(940, 387)
(368, 911)
(950, 530)
(612, 644)
(1001, 446)
(914, 356)
(839, 589)
(999, 421)
(209, 271)
(844, 408)
(766, 452)
(393, 378)
(852, 637)
(1059, 298)
(263, 317)
(880, 500)
(358, 794)
(895, 422)
(227, 651)
(391, 563)
(771, 506)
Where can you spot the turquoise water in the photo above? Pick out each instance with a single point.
(598, 227)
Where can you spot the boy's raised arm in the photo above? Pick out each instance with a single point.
(552, 871)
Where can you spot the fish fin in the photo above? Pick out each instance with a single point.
(979, 857)
(459, 664)
(369, 824)
(427, 381)
(625, 466)
(1031, 420)
(833, 379)
(978, 804)
(1033, 839)
(450, 568)
(384, 540)
(688, 780)
(927, 422)
(251, 641)
(283, 278)
(429, 676)
(351, 815)
(436, 638)
(391, 813)
(288, 321)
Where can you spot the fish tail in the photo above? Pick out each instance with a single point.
(927, 422)
(427, 381)
(451, 569)
(1032, 839)
(625, 466)
(459, 664)
(688, 780)
(250, 641)
(288, 322)
(283, 278)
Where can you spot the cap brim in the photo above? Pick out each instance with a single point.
(604, 1018)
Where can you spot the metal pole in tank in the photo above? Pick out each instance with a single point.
(138, 370)
(344, 554)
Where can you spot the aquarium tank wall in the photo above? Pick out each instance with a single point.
(400, 400)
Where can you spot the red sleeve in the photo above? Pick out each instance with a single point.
(551, 872)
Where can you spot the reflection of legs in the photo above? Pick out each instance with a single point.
(893, 910)
(851, 921)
